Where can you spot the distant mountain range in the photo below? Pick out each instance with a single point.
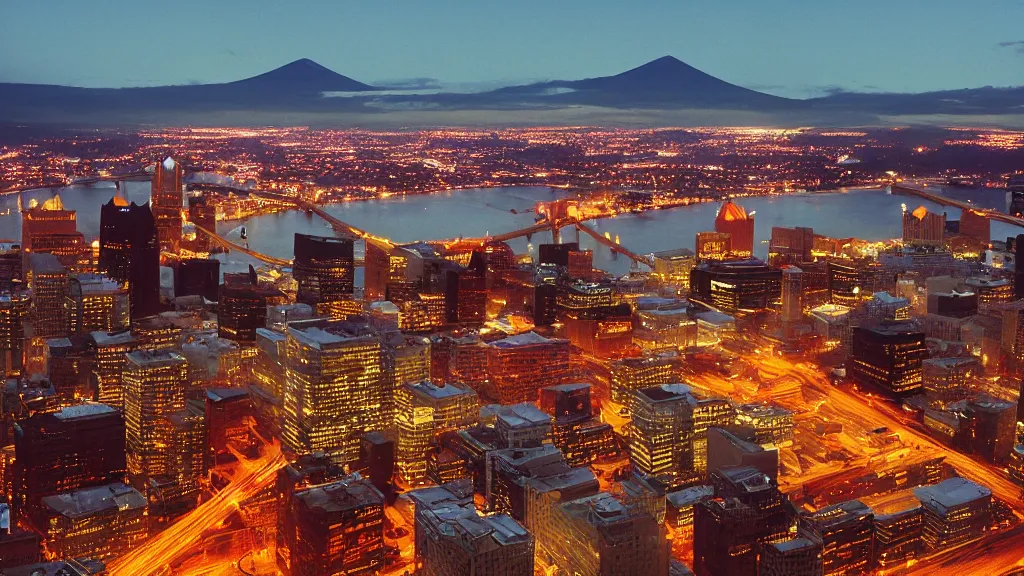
(304, 86)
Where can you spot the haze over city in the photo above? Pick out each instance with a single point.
(571, 289)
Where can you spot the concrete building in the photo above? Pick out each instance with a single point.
(424, 411)
(846, 534)
(794, 557)
(954, 511)
(521, 365)
(155, 382)
(522, 426)
(102, 522)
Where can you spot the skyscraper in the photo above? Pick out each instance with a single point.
(324, 268)
(203, 214)
(14, 309)
(129, 253)
(242, 306)
(50, 229)
(154, 389)
(661, 438)
(792, 295)
(334, 391)
(521, 365)
(732, 219)
(167, 199)
(923, 228)
(197, 276)
(889, 357)
(96, 303)
(48, 279)
(424, 411)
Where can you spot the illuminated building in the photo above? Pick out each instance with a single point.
(14, 310)
(468, 363)
(424, 410)
(734, 221)
(466, 292)
(197, 277)
(712, 246)
(155, 382)
(453, 539)
(679, 506)
(661, 437)
(227, 413)
(203, 214)
(17, 547)
(581, 264)
(168, 200)
(522, 426)
(832, 322)
(771, 424)
(103, 522)
(790, 246)
(68, 366)
(975, 225)
(242, 308)
(846, 534)
(384, 265)
(601, 534)
(50, 229)
(897, 536)
(557, 254)
(336, 387)
(180, 492)
(946, 380)
(95, 303)
(509, 471)
(736, 285)
(338, 528)
(165, 330)
(521, 365)
(987, 426)
(795, 557)
(410, 358)
(581, 297)
(324, 268)
(129, 253)
(305, 472)
(280, 315)
(747, 510)
(792, 295)
(78, 447)
(11, 265)
(923, 228)
(673, 267)
(49, 282)
(954, 511)
(708, 413)
(603, 332)
(576, 431)
(889, 357)
(108, 364)
(726, 449)
(498, 256)
(847, 286)
(632, 374)
(467, 450)
(664, 328)
(991, 290)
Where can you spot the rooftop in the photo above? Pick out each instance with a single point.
(155, 357)
(433, 391)
(689, 496)
(523, 415)
(83, 411)
(524, 339)
(348, 494)
(321, 333)
(667, 393)
(951, 493)
(113, 338)
(91, 501)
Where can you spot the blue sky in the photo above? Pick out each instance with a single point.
(791, 47)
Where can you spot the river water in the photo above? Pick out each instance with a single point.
(867, 214)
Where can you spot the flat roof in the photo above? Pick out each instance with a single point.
(524, 339)
(91, 501)
(523, 415)
(155, 357)
(322, 333)
(102, 338)
(431, 390)
(668, 392)
(951, 493)
(689, 496)
(349, 493)
(83, 411)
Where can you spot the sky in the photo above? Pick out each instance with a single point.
(788, 47)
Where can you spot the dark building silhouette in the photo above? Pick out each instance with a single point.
(846, 531)
(466, 291)
(10, 265)
(81, 446)
(204, 215)
(889, 357)
(377, 460)
(129, 252)
(557, 254)
(733, 285)
(227, 414)
(1018, 274)
(242, 306)
(168, 198)
(545, 304)
(197, 277)
(324, 268)
(17, 547)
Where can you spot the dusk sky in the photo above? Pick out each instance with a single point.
(791, 48)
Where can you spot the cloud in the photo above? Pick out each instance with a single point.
(411, 83)
(1016, 45)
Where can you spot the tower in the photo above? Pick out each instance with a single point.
(732, 219)
(167, 198)
(129, 252)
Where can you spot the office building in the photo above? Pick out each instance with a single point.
(897, 536)
(601, 534)
(557, 254)
(80, 446)
(336, 528)
(846, 533)
(661, 437)
(377, 457)
(242, 307)
(728, 449)
(203, 215)
(130, 253)
(733, 220)
(17, 547)
(674, 266)
(324, 268)
(453, 539)
(15, 308)
(849, 286)
(108, 364)
(987, 427)
(50, 229)
(95, 303)
(790, 246)
(197, 277)
(923, 228)
(711, 246)
(11, 265)
(947, 380)
(498, 256)
(976, 225)
(509, 471)
(521, 365)
(522, 425)
(771, 424)
(168, 199)
(889, 357)
(991, 290)
(102, 523)
(465, 290)
(576, 430)
(632, 374)
(155, 382)
(736, 285)
(792, 295)
(336, 387)
(954, 511)
(794, 557)
(423, 411)
(49, 280)
(227, 413)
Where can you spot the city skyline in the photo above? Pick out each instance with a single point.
(794, 50)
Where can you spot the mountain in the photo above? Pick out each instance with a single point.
(302, 75)
(666, 81)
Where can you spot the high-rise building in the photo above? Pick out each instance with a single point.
(81, 446)
(557, 254)
(377, 460)
(795, 557)
(108, 364)
(632, 374)
(711, 246)
(771, 424)
(976, 225)
(955, 511)
(167, 198)
(576, 431)
(102, 522)
(453, 539)
(203, 214)
(242, 307)
(923, 228)
(661, 437)
(48, 279)
(792, 295)
(673, 267)
(197, 277)
(848, 286)
(889, 357)
(897, 536)
(15, 308)
(522, 425)
(947, 380)
(11, 265)
(726, 449)
(227, 413)
(987, 426)
(498, 256)
(990, 290)
(50, 229)
(324, 268)
(336, 528)
(521, 365)
(424, 411)
(736, 285)
(95, 303)
(846, 532)
(130, 253)
(155, 382)
(335, 387)
(790, 246)
(733, 220)
(466, 291)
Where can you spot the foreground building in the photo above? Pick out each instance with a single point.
(424, 411)
(846, 533)
(155, 382)
(101, 523)
(521, 365)
(955, 511)
(889, 357)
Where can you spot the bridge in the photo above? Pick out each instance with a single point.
(225, 243)
(920, 191)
